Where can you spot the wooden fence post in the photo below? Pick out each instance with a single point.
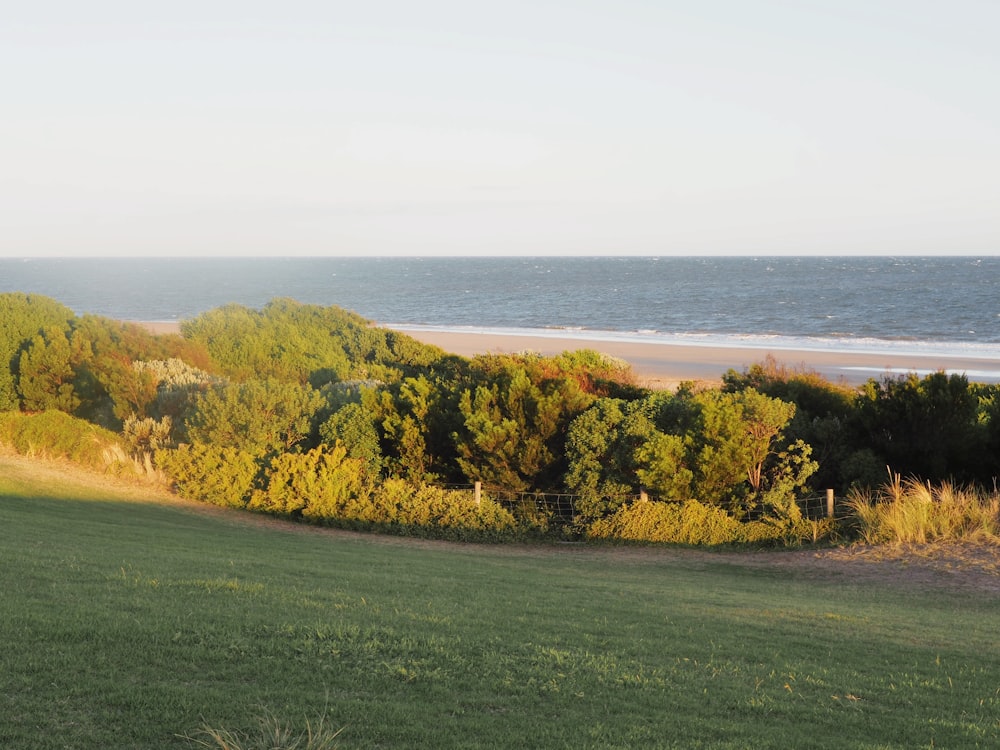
(479, 493)
(643, 496)
(829, 503)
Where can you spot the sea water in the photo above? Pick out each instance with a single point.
(933, 305)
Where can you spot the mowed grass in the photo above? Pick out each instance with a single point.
(129, 624)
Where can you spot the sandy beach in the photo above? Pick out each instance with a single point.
(660, 365)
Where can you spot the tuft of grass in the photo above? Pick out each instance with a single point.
(913, 512)
(270, 734)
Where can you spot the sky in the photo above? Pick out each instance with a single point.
(523, 127)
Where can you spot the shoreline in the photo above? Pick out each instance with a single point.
(665, 365)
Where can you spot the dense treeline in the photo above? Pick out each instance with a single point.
(314, 412)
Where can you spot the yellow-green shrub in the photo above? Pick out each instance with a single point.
(689, 522)
(398, 506)
(55, 434)
(218, 475)
(318, 484)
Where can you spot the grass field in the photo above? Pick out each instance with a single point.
(129, 624)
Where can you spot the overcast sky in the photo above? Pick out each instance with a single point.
(529, 127)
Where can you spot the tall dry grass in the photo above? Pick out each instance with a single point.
(272, 734)
(911, 511)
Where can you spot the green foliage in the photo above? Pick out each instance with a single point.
(218, 474)
(737, 435)
(413, 419)
(689, 522)
(290, 341)
(988, 424)
(598, 374)
(327, 485)
(22, 317)
(662, 465)
(344, 392)
(177, 386)
(925, 427)
(353, 427)
(259, 417)
(55, 434)
(721, 448)
(47, 373)
(791, 469)
(318, 484)
(824, 416)
(515, 418)
(600, 453)
(812, 394)
(423, 510)
(110, 386)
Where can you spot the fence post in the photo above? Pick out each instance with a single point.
(479, 493)
(643, 497)
(829, 503)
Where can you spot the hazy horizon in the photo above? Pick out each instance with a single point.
(542, 129)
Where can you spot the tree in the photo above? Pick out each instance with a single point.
(22, 317)
(599, 465)
(260, 417)
(407, 413)
(824, 415)
(46, 373)
(925, 427)
(614, 449)
(739, 433)
(219, 474)
(515, 417)
(352, 427)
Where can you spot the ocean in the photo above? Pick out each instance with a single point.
(935, 305)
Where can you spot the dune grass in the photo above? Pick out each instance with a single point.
(910, 511)
(145, 625)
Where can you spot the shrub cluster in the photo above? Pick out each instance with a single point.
(325, 485)
(55, 434)
(314, 412)
(688, 522)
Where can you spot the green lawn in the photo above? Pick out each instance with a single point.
(129, 625)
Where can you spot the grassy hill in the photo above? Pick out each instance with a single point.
(132, 620)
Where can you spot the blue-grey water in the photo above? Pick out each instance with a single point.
(933, 304)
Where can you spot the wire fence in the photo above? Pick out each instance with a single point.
(565, 505)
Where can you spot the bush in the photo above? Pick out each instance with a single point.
(218, 475)
(55, 434)
(422, 510)
(688, 522)
(318, 484)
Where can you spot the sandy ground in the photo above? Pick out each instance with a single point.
(666, 365)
